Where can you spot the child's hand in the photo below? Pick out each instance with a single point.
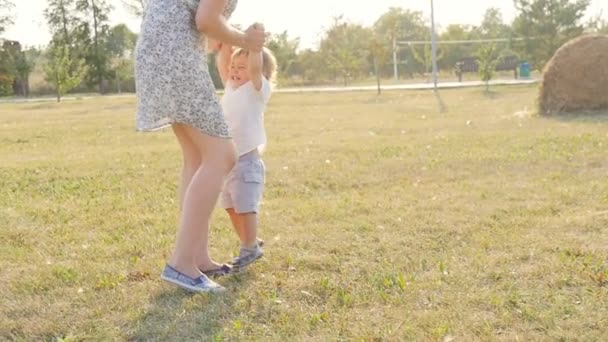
(226, 48)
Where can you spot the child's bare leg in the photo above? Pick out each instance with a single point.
(250, 230)
(237, 223)
(250, 247)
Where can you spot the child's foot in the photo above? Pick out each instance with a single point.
(224, 270)
(247, 256)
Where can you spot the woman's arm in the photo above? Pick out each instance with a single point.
(256, 65)
(223, 60)
(210, 20)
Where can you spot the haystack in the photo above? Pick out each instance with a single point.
(576, 78)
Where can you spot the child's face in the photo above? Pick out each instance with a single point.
(239, 70)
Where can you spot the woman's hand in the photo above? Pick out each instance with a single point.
(255, 37)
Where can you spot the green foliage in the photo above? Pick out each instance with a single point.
(547, 25)
(14, 66)
(424, 56)
(344, 48)
(95, 32)
(120, 41)
(63, 21)
(402, 25)
(62, 71)
(6, 18)
(285, 51)
(453, 53)
(489, 57)
(493, 25)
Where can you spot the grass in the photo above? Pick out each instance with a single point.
(385, 219)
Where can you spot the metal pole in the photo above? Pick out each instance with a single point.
(434, 45)
(395, 66)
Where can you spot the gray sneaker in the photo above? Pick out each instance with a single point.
(200, 284)
(247, 256)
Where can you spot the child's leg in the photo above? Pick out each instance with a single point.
(237, 223)
(249, 230)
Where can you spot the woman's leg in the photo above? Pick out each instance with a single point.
(192, 160)
(218, 157)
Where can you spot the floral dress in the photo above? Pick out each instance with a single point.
(171, 71)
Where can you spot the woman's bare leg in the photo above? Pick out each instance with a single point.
(192, 160)
(191, 248)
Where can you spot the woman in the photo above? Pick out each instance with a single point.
(174, 88)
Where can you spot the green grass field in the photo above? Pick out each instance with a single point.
(385, 220)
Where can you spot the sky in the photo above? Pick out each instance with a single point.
(305, 19)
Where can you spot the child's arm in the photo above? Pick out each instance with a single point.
(223, 62)
(256, 64)
(213, 45)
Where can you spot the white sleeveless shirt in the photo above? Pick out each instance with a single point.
(244, 110)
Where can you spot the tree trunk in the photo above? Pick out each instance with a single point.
(96, 41)
(377, 74)
(64, 20)
(57, 86)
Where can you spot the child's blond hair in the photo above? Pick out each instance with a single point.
(269, 62)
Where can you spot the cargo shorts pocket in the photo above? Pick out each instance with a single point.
(254, 173)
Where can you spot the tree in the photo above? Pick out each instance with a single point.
(344, 48)
(96, 11)
(23, 68)
(453, 53)
(425, 58)
(546, 25)
(597, 24)
(62, 20)
(489, 57)
(399, 24)
(119, 44)
(5, 14)
(67, 48)
(62, 72)
(135, 7)
(285, 51)
(379, 53)
(7, 70)
(493, 25)
(120, 41)
(122, 69)
(311, 66)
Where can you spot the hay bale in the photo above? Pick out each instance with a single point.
(576, 78)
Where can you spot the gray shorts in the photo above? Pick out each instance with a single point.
(244, 185)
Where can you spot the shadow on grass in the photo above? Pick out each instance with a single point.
(443, 108)
(587, 117)
(176, 315)
(491, 94)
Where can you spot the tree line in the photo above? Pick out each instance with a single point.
(87, 54)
